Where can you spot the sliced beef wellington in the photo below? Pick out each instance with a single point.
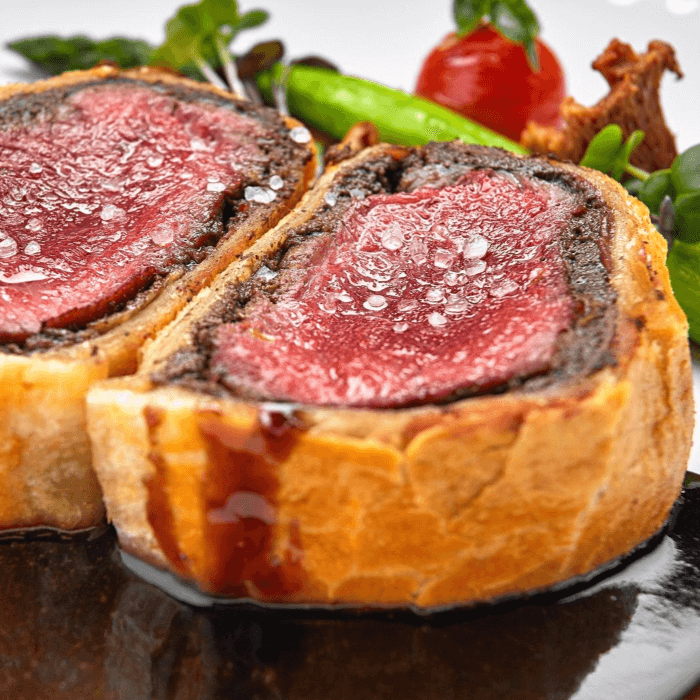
(122, 194)
(451, 374)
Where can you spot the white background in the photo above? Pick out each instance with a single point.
(386, 40)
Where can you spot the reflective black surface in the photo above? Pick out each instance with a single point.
(74, 624)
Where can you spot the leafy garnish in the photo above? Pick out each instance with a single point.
(622, 163)
(684, 270)
(512, 18)
(56, 54)
(681, 184)
(609, 154)
(184, 38)
(603, 149)
(653, 190)
(685, 170)
(686, 226)
(672, 194)
(468, 14)
(202, 33)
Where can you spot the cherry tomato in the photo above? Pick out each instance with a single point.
(487, 78)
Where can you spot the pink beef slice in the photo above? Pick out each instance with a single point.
(106, 191)
(417, 297)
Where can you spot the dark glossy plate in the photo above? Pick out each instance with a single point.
(76, 624)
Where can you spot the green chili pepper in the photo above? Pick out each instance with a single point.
(334, 102)
(684, 269)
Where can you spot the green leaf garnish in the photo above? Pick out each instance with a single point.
(56, 54)
(633, 185)
(675, 190)
(603, 149)
(202, 32)
(252, 19)
(607, 152)
(673, 198)
(512, 18)
(516, 21)
(622, 163)
(683, 264)
(655, 188)
(184, 33)
(686, 226)
(685, 171)
(468, 14)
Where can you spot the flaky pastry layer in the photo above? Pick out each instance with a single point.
(425, 506)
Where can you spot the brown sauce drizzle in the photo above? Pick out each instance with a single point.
(159, 511)
(241, 503)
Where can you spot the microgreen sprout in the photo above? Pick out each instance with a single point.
(202, 34)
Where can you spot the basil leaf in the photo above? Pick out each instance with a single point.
(56, 54)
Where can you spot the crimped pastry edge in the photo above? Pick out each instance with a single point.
(432, 506)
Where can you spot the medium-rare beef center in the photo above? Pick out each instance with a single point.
(104, 186)
(454, 282)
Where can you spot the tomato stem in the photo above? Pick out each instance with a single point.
(513, 19)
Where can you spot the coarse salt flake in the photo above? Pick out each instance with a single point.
(300, 134)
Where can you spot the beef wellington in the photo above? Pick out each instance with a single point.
(451, 374)
(122, 194)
